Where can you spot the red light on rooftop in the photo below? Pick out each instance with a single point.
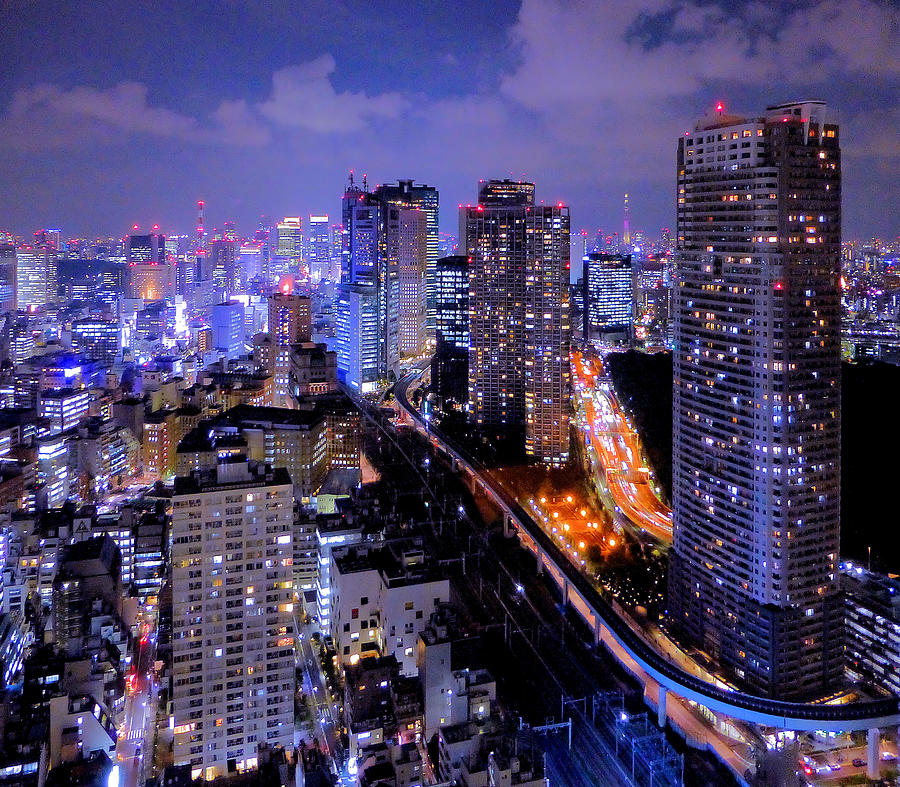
(155, 227)
(559, 204)
(779, 285)
(481, 207)
(135, 227)
(720, 107)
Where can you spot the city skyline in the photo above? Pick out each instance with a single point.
(96, 140)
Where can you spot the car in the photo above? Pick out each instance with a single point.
(858, 762)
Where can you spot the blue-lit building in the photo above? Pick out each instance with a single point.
(608, 295)
(368, 332)
(227, 323)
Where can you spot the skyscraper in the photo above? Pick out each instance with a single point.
(756, 476)
(290, 246)
(452, 302)
(519, 316)
(411, 265)
(36, 276)
(406, 193)
(232, 615)
(368, 318)
(151, 276)
(319, 248)
(223, 261)
(608, 294)
(8, 278)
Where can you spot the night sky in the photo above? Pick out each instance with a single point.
(119, 112)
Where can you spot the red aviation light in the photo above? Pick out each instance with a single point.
(135, 227)
(720, 107)
(156, 227)
(480, 208)
(779, 285)
(559, 204)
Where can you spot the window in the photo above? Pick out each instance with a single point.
(354, 613)
(363, 601)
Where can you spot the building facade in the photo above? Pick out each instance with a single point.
(519, 316)
(608, 295)
(232, 619)
(756, 410)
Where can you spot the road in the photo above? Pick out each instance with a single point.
(134, 748)
(327, 718)
(618, 450)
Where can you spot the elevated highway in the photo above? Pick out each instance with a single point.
(625, 642)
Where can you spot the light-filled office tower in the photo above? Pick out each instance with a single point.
(290, 318)
(368, 314)
(150, 276)
(319, 248)
(452, 304)
(519, 316)
(8, 278)
(608, 295)
(407, 193)
(35, 276)
(412, 254)
(223, 254)
(757, 398)
(290, 245)
(232, 615)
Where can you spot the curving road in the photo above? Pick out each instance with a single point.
(797, 716)
(618, 450)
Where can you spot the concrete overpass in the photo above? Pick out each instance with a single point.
(608, 626)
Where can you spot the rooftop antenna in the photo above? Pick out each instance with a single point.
(365, 184)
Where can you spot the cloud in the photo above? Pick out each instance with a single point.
(238, 125)
(304, 97)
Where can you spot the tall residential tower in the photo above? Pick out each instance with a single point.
(519, 316)
(756, 476)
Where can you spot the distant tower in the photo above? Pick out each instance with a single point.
(626, 228)
(200, 205)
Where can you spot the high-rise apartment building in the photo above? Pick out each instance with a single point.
(408, 194)
(608, 294)
(756, 465)
(232, 616)
(452, 300)
(519, 316)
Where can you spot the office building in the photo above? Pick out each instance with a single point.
(519, 317)
(290, 318)
(223, 256)
(289, 247)
(319, 248)
(756, 409)
(368, 316)
(608, 294)
(8, 278)
(408, 194)
(232, 618)
(227, 323)
(35, 277)
(411, 264)
(452, 300)
(150, 277)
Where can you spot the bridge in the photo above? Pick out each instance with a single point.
(610, 627)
